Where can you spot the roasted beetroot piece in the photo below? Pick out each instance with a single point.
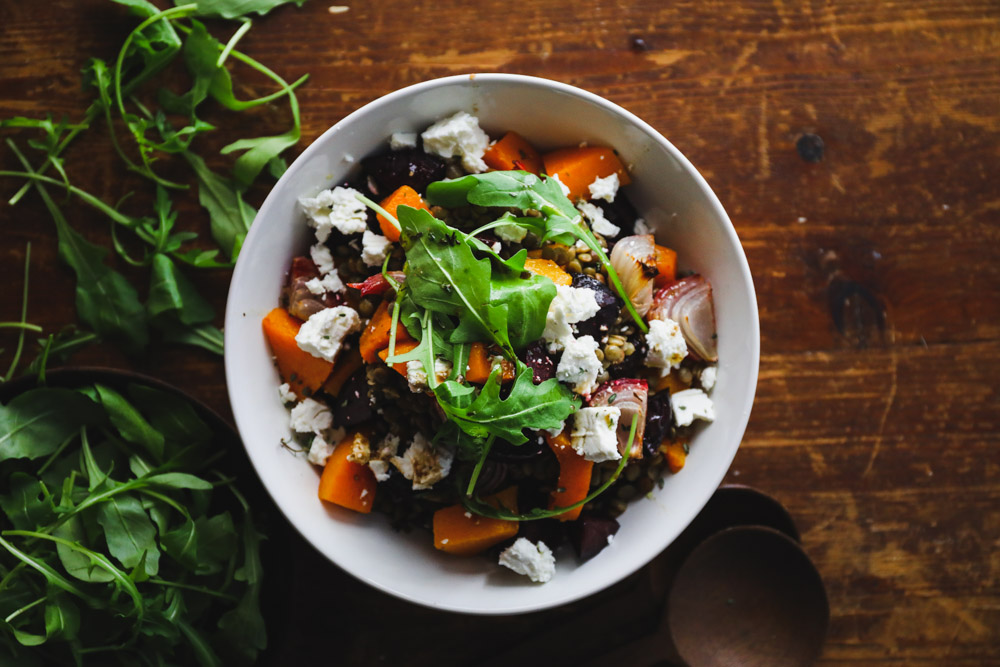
(504, 451)
(550, 531)
(630, 365)
(302, 303)
(353, 404)
(411, 167)
(629, 395)
(598, 325)
(377, 285)
(539, 361)
(659, 422)
(590, 534)
(620, 212)
(688, 302)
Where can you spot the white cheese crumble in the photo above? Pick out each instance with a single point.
(595, 433)
(708, 376)
(510, 233)
(373, 248)
(416, 376)
(424, 463)
(310, 416)
(458, 136)
(401, 140)
(338, 208)
(579, 366)
(319, 451)
(324, 332)
(641, 228)
(331, 282)
(496, 247)
(570, 305)
(322, 258)
(598, 223)
(380, 459)
(535, 561)
(604, 188)
(286, 393)
(667, 348)
(691, 404)
(562, 186)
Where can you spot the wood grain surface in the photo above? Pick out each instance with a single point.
(876, 265)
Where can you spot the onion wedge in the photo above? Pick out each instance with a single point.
(688, 302)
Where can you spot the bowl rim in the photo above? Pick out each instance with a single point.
(740, 420)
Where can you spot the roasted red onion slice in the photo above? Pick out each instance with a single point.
(634, 260)
(377, 285)
(629, 395)
(688, 302)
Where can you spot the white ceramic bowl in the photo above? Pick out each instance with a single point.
(667, 191)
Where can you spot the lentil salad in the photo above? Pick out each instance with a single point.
(585, 358)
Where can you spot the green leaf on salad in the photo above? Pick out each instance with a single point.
(231, 9)
(35, 423)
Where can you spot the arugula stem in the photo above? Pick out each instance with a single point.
(25, 608)
(86, 197)
(231, 44)
(45, 569)
(24, 317)
(197, 589)
(477, 506)
(378, 209)
(20, 325)
(479, 466)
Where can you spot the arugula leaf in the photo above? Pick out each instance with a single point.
(34, 423)
(525, 296)
(230, 215)
(129, 422)
(541, 406)
(27, 504)
(130, 534)
(76, 563)
(172, 416)
(231, 9)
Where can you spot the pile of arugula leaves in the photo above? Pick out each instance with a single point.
(458, 291)
(108, 304)
(119, 544)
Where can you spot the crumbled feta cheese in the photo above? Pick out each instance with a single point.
(331, 282)
(562, 186)
(310, 416)
(595, 433)
(373, 248)
(319, 451)
(535, 561)
(604, 188)
(641, 227)
(598, 223)
(510, 233)
(322, 258)
(496, 247)
(665, 341)
(400, 140)
(339, 209)
(324, 332)
(707, 377)
(579, 366)
(416, 376)
(380, 459)
(424, 463)
(458, 136)
(286, 393)
(691, 404)
(570, 305)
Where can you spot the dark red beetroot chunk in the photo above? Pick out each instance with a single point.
(538, 360)
(589, 534)
(659, 422)
(353, 405)
(411, 167)
(598, 325)
(621, 213)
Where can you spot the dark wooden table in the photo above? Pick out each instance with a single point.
(875, 259)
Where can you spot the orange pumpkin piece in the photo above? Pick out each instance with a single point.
(302, 371)
(345, 482)
(666, 266)
(549, 269)
(574, 477)
(459, 531)
(403, 196)
(402, 347)
(375, 337)
(347, 363)
(481, 363)
(674, 451)
(578, 167)
(513, 152)
(671, 381)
